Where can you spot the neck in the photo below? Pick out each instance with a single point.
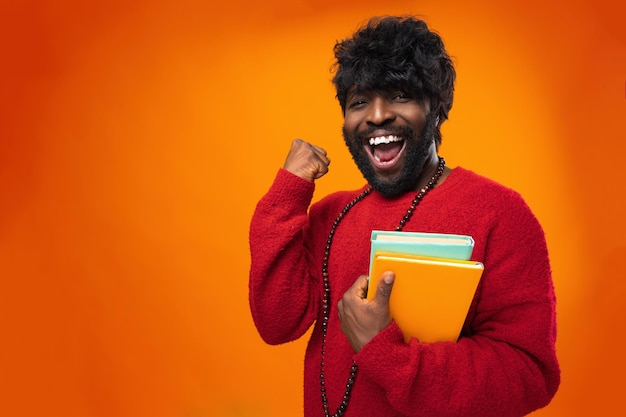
(430, 168)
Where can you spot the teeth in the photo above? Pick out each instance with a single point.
(379, 140)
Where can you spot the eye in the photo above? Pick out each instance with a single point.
(402, 96)
(356, 103)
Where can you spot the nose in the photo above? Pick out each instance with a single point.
(380, 112)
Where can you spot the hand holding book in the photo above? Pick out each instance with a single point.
(435, 282)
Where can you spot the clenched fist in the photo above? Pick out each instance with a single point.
(306, 160)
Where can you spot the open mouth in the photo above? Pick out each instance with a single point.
(385, 151)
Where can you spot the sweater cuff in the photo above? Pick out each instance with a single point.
(290, 187)
(379, 358)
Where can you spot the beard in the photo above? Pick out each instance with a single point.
(417, 152)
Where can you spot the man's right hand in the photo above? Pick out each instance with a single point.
(306, 160)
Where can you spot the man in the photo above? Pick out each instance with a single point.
(395, 82)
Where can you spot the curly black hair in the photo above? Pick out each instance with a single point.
(397, 52)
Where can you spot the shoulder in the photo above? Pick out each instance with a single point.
(469, 186)
(503, 207)
(489, 204)
(470, 180)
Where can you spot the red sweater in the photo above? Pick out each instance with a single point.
(503, 365)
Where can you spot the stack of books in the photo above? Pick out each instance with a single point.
(434, 285)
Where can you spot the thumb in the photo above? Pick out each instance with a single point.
(385, 285)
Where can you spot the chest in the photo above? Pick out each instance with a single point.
(349, 253)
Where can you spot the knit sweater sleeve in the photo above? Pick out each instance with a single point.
(505, 363)
(280, 288)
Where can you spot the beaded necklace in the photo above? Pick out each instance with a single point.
(326, 298)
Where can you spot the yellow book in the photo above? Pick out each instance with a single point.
(431, 296)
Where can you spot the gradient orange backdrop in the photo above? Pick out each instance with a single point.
(136, 138)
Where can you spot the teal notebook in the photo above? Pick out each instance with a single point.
(437, 245)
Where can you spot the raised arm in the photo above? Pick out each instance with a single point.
(284, 298)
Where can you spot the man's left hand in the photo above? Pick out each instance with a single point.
(363, 319)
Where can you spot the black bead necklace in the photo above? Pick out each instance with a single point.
(326, 298)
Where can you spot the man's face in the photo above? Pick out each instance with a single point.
(390, 137)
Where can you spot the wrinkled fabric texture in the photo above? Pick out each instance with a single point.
(504, 363)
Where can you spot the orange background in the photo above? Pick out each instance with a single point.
(136, 138)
